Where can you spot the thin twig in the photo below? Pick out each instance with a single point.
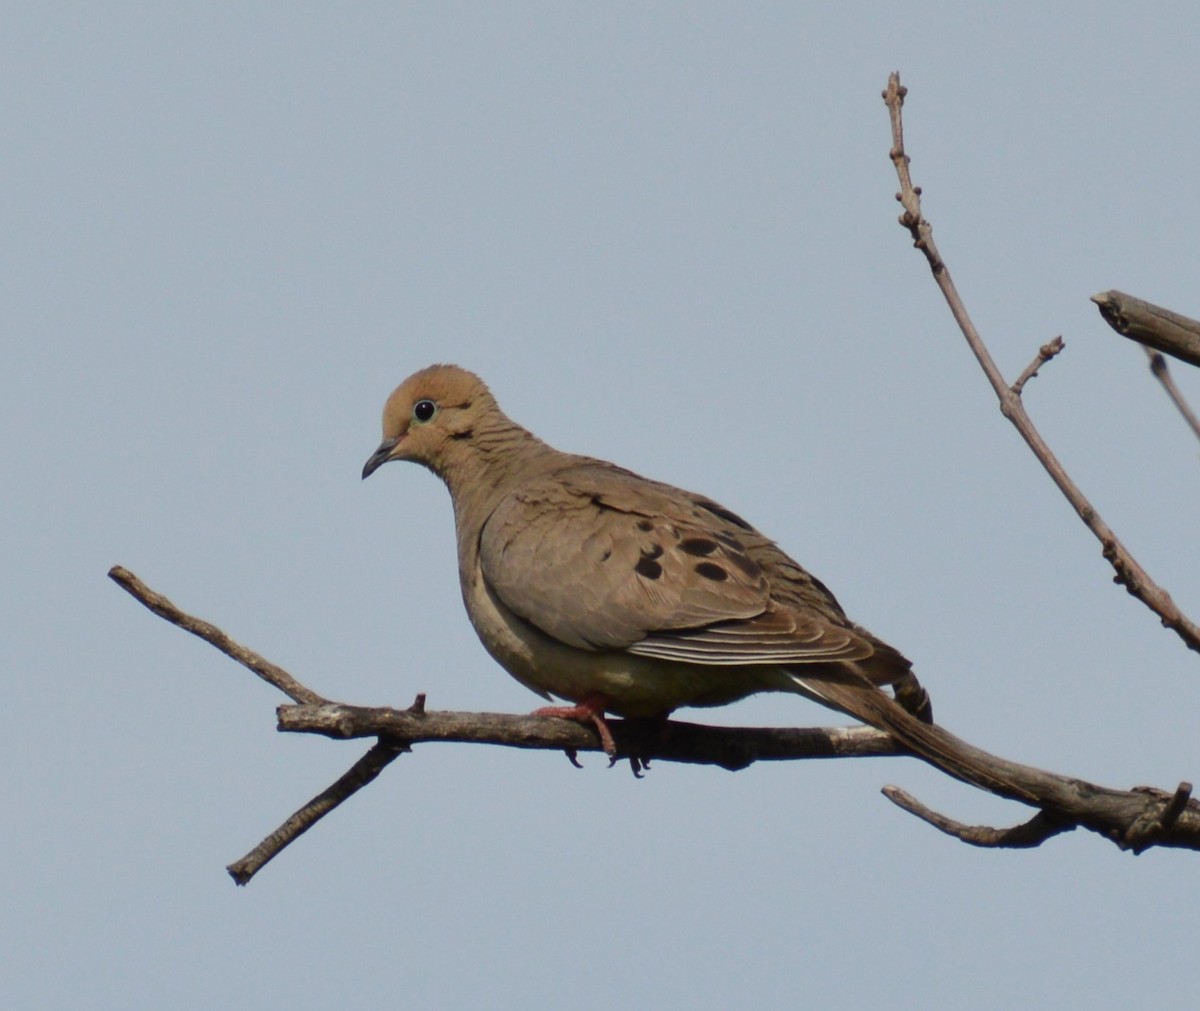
(1158, 366)
(1129, 573)
(1045, 353)
(362, 772)
(269, 672)
(1028, 834)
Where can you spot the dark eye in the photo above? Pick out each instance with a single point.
(423, 410)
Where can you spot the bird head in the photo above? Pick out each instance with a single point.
(430, 416)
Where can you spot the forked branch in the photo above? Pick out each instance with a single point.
(1133, 819)
(1129, 573)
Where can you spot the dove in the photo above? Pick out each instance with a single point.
(623, 595)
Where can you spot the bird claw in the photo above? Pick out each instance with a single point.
(589, 710)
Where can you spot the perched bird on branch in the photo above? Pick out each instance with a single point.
(623, 595)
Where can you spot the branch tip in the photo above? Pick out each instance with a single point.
(360, 774)
(1027, 835)
(271, 673)
(1176, 805)
(1151, 325)
(1046, 353)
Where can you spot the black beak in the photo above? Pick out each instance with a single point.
(379, 457)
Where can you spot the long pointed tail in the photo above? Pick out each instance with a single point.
(927, 741)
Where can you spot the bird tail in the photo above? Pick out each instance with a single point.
(927, 741)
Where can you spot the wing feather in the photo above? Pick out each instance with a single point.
(602, 559)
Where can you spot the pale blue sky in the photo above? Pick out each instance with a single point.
(665, 234)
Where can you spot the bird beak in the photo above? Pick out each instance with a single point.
(379, 457)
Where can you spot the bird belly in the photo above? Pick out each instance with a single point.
(636, 686)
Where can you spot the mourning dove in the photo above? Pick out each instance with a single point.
(624, 595)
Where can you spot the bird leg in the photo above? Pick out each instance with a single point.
(590, 709)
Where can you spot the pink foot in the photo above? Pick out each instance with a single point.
(588, 710)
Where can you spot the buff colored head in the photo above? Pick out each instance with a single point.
(428, 414)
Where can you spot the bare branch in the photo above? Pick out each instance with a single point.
(362, 772)
(269, 672)
(1158, 366)
(731, 748)
(1151, 325)
(1129, 573)
(1045, 353)
(1133, 819)
(1028, 834)
(637, 741)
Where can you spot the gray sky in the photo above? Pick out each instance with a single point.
(666, 236)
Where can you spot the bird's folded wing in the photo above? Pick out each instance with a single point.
(602, 559)
(774, 637)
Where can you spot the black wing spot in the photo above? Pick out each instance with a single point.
(648, 568)
(747, 565)
(645, 525)
(701, 546)
(711, 570)
(656, 551)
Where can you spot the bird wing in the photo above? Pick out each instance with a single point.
(602, 559)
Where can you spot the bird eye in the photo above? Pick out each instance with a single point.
(424, 410)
